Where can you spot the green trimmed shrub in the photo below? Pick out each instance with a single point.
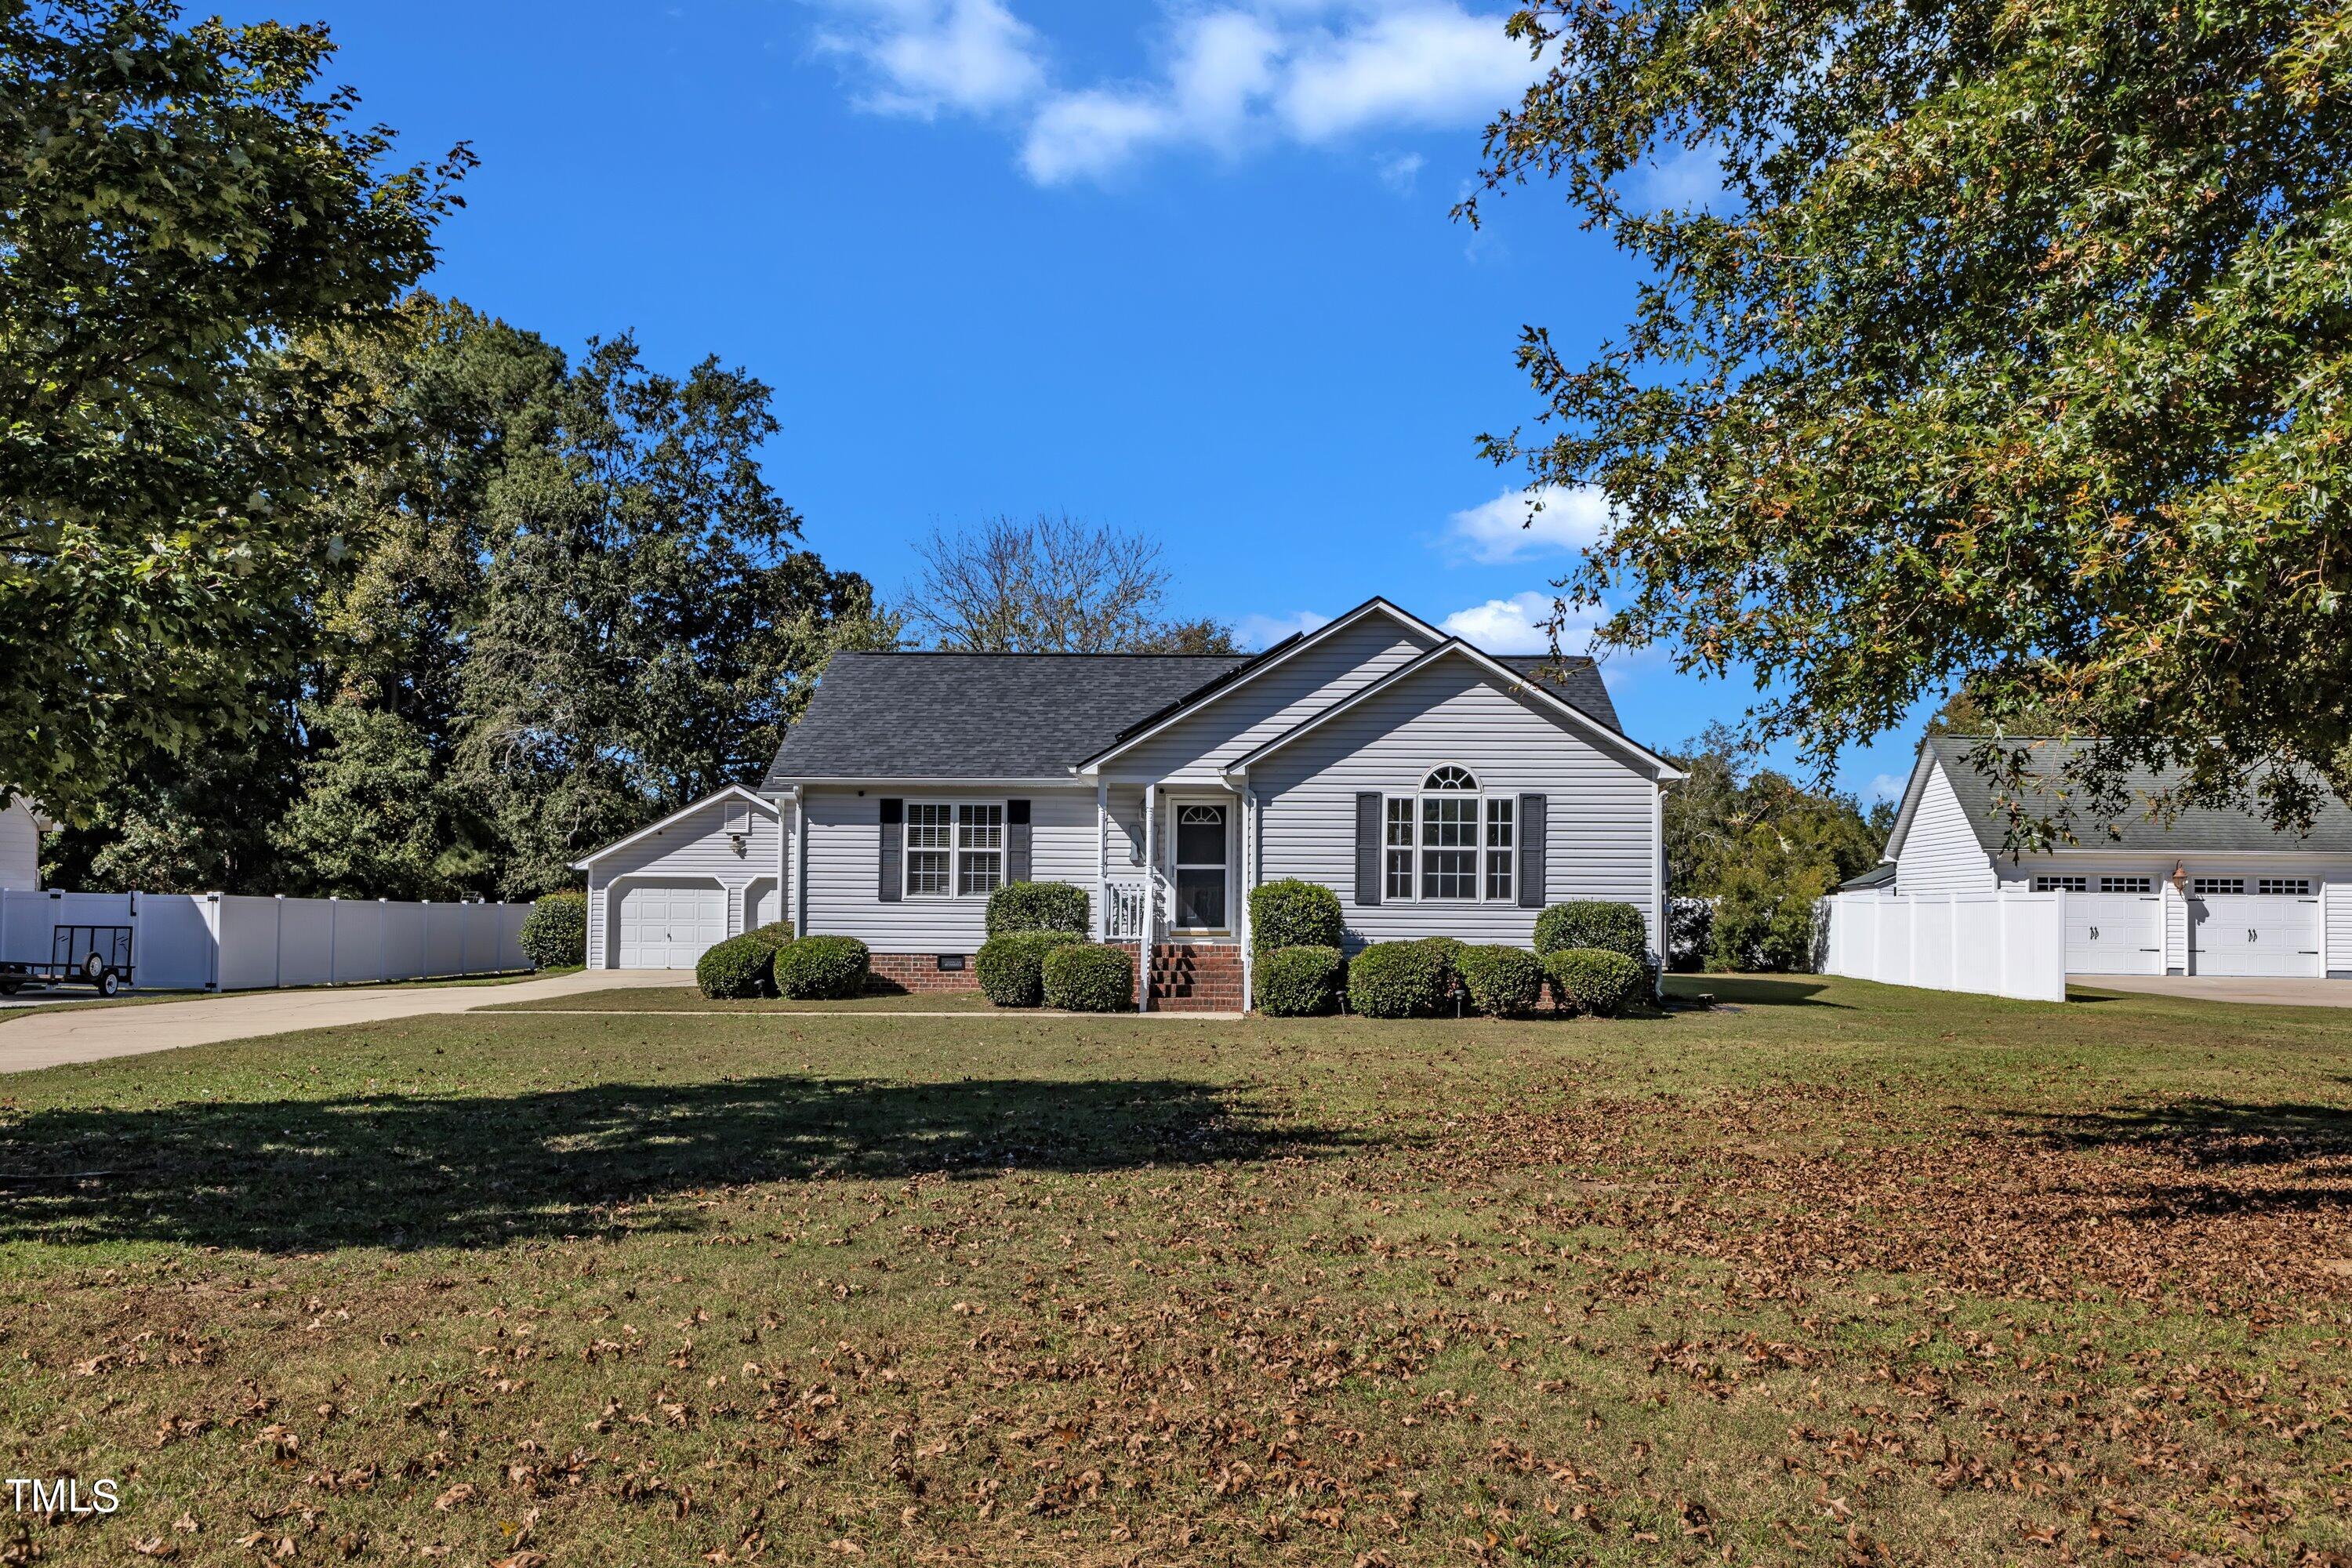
(1399, 980)
(1448, 951)
(822, 968)
(1090, 977)
(1012, 967)
(1297, 981)
(1593, 922)
(1788, 936)
(1503, 982)
(1038, 906)
(555, 934)
(1593, 980)
(736, 968)
(1292, 913)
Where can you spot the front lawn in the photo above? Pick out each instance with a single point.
(1834, 1274)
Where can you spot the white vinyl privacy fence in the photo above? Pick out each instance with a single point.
(2004, 943)
(229, 941)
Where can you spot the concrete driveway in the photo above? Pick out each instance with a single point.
(2259, 992)
(92, 1034)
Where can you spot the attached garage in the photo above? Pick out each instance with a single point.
(2272, 930)
(2115, 933)
(665, 895)
(668, 924)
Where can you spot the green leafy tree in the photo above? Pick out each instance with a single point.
(2013, 347)
(1727, 822)
(178, 204)
(376, 818)
(650, 623)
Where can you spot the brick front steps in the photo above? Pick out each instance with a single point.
(1186, 977)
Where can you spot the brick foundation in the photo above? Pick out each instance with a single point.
(921, 972)
(1186, 977)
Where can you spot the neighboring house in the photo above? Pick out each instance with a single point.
(2217, 892)
(1436, 789)
(21, 826)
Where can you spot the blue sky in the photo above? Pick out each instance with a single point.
(1184, 267)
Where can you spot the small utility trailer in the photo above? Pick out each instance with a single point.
(78, 955)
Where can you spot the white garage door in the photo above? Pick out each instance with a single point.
(2254, 934)
(668, 925)
(2115, 933)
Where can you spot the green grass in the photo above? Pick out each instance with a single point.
(1832, 1273)
(687, 999)
(149, 998)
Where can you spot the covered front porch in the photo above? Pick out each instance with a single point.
(1174, 861)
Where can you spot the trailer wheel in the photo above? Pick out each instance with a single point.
(109, 982)
(92, 967)
(8, 988)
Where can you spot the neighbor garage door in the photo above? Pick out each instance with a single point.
(2115, 933)
(668, 925)
(2254, 933)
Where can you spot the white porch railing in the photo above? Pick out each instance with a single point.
(1123, 911)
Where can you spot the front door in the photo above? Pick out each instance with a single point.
(1200, 869)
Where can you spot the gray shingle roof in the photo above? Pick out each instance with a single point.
(2200, 830)
(1018, 715)
(1578, 679)
(977, 715)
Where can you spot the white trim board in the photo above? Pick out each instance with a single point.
(681, 814)
(1510, 680)
(1275, 659)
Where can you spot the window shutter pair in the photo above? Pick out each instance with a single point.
(1372, 845)
(891, 875)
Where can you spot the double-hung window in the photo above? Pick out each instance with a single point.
(930, 831)
(1446, 841)
(979, 849)
(954, 850)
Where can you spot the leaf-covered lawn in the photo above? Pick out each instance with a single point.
(1836, 1274)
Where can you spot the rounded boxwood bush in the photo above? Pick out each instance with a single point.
(1012, 968)
(736, 968)
(1292, 913)
(1593, 980)
(1399, 980)
(822, 968)
(555, 934)
(1037, 906)
(1299, 982)
(1503, 982)
(1090, 977)
(1593, 923)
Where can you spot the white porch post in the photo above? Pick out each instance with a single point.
(1150, 897)
(1102, 859)
(800, 912)
(1249, 881)
(783, 874)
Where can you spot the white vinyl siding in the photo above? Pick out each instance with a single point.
(1599, 837)
(845, 865)
(694, 848)
(1940, 853)
(1255, 712)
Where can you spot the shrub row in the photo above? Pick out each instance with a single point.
(1089, 977)
(1016, 907)
(743, 966)
(1012, 967)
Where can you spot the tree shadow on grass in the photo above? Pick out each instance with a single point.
(304, 1175)
(1754, 989)
(2207, 1132)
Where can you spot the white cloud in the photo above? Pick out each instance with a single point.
(1400, 173)
(1510, 527)
(1425, 64)
(1265, 631)
(919, 57)
(1692, 178)
(1884, 786)
(1516, 624)
(1226, 78)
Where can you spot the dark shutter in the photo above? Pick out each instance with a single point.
(1532, 851)
(893, 880)
(1368, 846)
(1016, 840)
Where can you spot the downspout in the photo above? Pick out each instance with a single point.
(1102, 857)
(1658, 882)
(800, 913)
(1249, 885)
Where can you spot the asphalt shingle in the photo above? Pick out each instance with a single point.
(2201, 830)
